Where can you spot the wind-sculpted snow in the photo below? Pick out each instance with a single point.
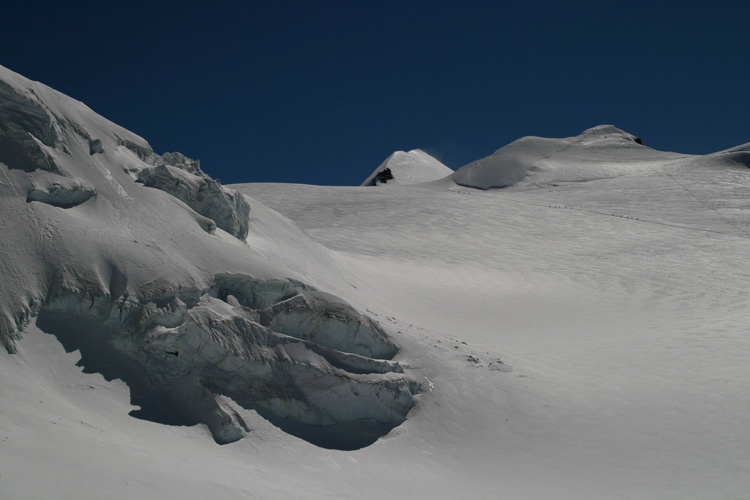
(189, 346)
(599, 152)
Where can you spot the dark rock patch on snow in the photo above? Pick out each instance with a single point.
(382, 177)
(95, 146)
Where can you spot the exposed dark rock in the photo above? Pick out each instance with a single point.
(382, 177)
(95, 146)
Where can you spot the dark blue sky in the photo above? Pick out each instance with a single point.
(321, 92)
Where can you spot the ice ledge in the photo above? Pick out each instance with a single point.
(182, 351)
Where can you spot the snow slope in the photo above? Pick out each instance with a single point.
(619, 300)
(578, 334)
(414, 167)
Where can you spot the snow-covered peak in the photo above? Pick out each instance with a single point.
(413, 167)
(598, 152)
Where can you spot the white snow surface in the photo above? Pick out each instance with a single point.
(540, 160)
(412, 167)
(581, 334)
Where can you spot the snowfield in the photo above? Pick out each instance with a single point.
(581, 333)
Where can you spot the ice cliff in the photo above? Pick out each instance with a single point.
(166, 279)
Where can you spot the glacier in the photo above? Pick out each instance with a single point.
(565, 318)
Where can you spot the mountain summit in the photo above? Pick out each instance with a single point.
(413, 167)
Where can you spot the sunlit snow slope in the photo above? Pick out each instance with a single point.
(609, 276)
(579, 334)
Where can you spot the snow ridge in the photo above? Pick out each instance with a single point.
(540, 160)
